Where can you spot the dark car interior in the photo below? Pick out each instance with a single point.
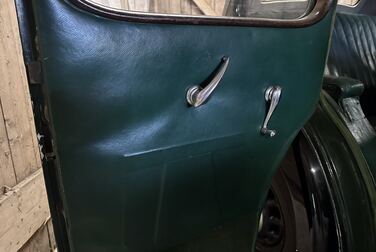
(351, 69)
(352, 55)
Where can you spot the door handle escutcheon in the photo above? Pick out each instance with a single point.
(272, 96)
(196, 95)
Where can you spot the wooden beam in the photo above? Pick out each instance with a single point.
(15, 98)
(23, 210)
(205, 8)
(51, 234)
(221, 6)
(23, 207)
(142, 5)
(38, 242)
(7, 174)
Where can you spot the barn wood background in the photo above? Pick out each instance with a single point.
(24, 214)
(188, 7)
(206, 7)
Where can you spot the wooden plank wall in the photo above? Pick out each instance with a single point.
(187, 7)
(24, 213)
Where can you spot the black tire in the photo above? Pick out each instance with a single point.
(300, 192)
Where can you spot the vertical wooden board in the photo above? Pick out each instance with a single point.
(124, 4)
(162, 6)
(102, 2)
(221, 6)
(15, 96)
(132, 4)
(175, 7)
(51, 234)
(195, 9)
(24, 85)
(153, 8)
(39, 242)
(114, 4)
(212, 3)
(205, 7)
(7, 175)
(142, 5)
(186, 7)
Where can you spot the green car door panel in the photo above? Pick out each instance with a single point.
(140, 169)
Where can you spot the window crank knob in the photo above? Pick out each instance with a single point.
(272, 96)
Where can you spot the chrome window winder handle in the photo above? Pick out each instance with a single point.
(196, 95)
(272, 96)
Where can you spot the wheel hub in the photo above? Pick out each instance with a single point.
(271, 227)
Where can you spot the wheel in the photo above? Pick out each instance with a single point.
(277, 230)
(298, 214)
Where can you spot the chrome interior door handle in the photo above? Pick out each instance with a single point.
(272, 96)
(196, 95)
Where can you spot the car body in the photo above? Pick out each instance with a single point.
(169, 132)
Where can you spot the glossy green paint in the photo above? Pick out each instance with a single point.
(139, 169)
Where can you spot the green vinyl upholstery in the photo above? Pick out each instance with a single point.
(139, 169)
